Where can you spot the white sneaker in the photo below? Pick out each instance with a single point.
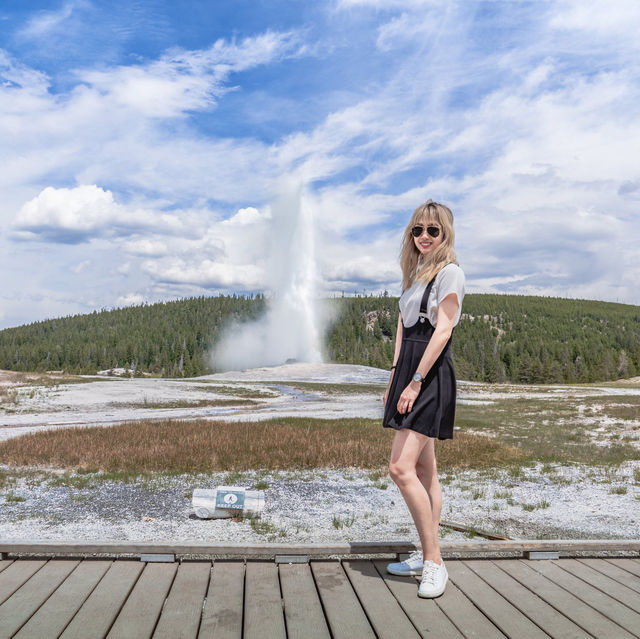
(434, 579)
(410, 566)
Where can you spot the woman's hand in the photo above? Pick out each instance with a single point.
(408, 397)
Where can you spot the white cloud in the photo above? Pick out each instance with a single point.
(205, 273)
(401, 31)
(17, 75)
(365, 269)
(182, 81)
(145, 246)
(599, 18)
(246, 216)
(44, 22)
(131, 299)
(110, 127)
(81, 266)
(75, 215)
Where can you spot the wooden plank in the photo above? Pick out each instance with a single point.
(528, 603)
(270, 549)
(141, 610)
(463, 613)
(628, 564)
(381, 607)
(53, 616)
(16, 610)
(495, 607)
(615, 572)
(15, 575)
(341, 606)
(607, 585)
(425, 614)
(598, 600)
(5, 563)
(98, 612)
(203, 548)
(181, 614)
(263, 614)
(222, 615)
(302, 607)
(562, 600)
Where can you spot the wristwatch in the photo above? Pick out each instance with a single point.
(418, 377)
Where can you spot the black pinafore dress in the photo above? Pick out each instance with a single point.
(433, 412)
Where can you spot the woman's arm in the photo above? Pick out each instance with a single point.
(395, 357)
(447, 311)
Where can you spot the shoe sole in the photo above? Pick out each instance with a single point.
(431, 595)
(400, 573)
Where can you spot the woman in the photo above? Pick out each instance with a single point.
(421, 394)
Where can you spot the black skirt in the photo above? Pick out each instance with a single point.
(433, 412)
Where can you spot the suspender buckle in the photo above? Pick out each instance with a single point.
(422, 317)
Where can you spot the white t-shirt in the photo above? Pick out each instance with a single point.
(449, 280)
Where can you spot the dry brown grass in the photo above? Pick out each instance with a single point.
(204, 446)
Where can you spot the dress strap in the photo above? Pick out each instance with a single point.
(422, 315)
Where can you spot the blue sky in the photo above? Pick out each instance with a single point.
(143, 142)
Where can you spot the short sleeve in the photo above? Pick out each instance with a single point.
(452, 281)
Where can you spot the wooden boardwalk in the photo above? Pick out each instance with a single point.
(485, 598)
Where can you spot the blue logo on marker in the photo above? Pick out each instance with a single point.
(230, 499)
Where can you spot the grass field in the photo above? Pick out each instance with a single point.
(591, 430)
(203, 446)
(507, 426)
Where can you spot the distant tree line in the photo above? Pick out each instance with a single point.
(506, 338)
(170, 339)
(499, 337)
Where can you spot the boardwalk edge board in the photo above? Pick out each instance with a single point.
(528, 548)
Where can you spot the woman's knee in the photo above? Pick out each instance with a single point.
(401, 472)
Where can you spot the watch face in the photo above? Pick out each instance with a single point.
(417, 377)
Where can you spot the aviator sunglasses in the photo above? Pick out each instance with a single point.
(418, 230)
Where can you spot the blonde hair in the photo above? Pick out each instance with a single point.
(414, 266)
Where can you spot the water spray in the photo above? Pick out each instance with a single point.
(289, 331)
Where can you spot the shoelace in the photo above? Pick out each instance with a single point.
(416, 554)
(429, 573)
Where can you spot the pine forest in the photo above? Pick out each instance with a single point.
(500, 338)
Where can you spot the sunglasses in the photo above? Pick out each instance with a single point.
(418, 230)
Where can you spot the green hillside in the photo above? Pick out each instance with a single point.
(499, 338)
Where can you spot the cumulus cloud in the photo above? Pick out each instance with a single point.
(78, 214)
(243, 217)
(205, 273)
(363, 270)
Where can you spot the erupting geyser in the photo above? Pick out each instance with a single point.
(290, 328)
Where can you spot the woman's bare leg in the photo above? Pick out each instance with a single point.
(405, 453)
(427, 472)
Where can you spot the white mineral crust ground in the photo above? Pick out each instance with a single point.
(320, 505)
